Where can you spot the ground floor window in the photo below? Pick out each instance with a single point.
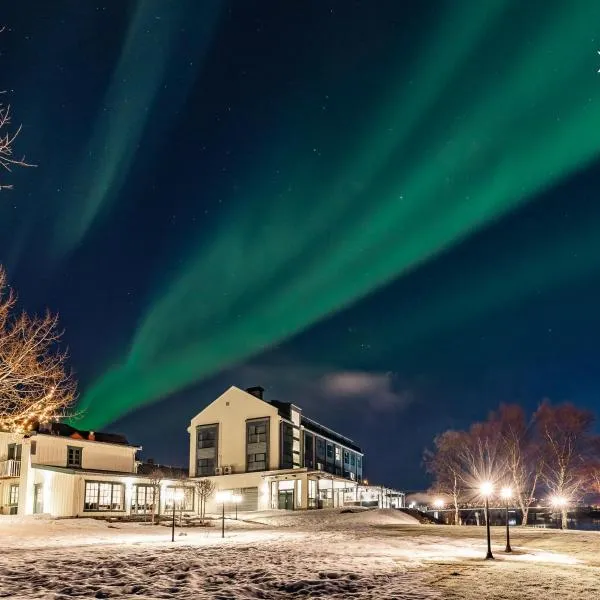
(142, 499)
(188, 498)
(103, 496)
(13, 495)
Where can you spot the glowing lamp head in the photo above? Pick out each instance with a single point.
(486, 488)
(506, 493)
(438, 503)
(223, 496)
(559, 501)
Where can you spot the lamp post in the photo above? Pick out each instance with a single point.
(222, 497)
(486, 490)
(439, 504)
(506, 494)
(177, 496)
(559, 502)
(236, 499)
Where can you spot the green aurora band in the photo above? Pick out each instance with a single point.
(488, 122)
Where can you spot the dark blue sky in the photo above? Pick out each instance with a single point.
(162, 131)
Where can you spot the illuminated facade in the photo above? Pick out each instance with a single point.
(271, 455)
(64, 472)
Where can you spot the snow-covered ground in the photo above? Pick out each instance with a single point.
(317, 554)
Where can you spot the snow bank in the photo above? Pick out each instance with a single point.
(334, 518)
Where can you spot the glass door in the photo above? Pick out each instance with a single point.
(38, 499)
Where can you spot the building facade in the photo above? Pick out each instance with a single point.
(272, 455)
(269, 454)
(64, 472)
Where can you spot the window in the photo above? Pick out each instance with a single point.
(338, 454)
(207, 436)
(309, 447)
(257, 432)
(74, 456)
(142, 499)
(320, 448)
(346, 457)
(14, 451)
(257, 462)
(33, 448)
(188, 498)
(329, 450)
(103, 496)
(206, 466)
(13, 495)
(353, 460)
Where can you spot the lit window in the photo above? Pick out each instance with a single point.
(13, 495)
(101, 496)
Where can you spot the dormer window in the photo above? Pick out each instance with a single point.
(74, 456)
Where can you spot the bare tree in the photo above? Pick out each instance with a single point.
(156, 478)
(447, 469)
(567, 446)
(34, 385)
(205, 488)
(8, 136)
(521, 454)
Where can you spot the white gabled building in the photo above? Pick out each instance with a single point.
(271, 455)
(64, 472)
(267, 453)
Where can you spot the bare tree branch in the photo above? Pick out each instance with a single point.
(34, 386)
(8, 136)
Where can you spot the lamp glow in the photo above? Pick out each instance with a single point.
(506, 493)
(223, 496)
(438, 503)
(558, 501)
(486, 488)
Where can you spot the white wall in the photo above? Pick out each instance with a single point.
(235, 482)
(231, 410)
(52, 450)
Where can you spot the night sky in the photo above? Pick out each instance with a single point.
(384, 211)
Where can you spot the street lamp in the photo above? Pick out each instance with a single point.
(506, 494)
(236, 499)
(559, 502)
(486, 489)
(439, 504)
(177, 497)
(222, 497)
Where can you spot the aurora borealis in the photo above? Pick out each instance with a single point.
(330, 186)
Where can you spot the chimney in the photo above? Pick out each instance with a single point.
(256, 391)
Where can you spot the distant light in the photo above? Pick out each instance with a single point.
(411, 505)
(486, 488)
(506, 493)
(559, 501)
(439, 503)
(223, 496)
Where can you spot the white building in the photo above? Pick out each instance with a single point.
(64, 472)
(267, 453)
(272, 455)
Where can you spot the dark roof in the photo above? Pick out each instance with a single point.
(168, 472)
(64, 430)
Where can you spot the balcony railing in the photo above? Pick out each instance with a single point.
(10, 468)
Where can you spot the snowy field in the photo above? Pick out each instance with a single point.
(381, 554)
